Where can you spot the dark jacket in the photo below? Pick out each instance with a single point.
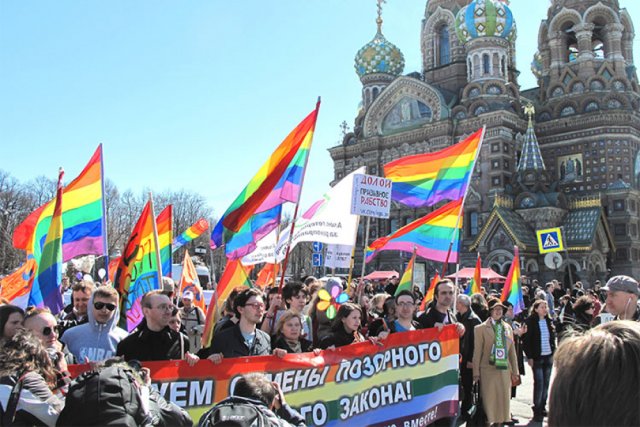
(429, 318)
(284, 417)
(230, 343)
(470, 320)
(144, 344)
(531, 340)
(279, 342)
(339, 338)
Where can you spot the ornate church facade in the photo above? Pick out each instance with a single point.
(564, 154)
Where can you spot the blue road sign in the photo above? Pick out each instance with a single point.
(317, 247)
(317, 260)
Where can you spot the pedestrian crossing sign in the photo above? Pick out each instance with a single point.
(550, 240)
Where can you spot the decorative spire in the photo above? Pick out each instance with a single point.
(531, 158)
(379, 19)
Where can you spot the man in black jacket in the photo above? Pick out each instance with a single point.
(153, 339)
(244, 338)
(440, 313)
(470, 320)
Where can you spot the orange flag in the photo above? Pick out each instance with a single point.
(266, 275)
(429, 295)
(16, 287)
(189, 282)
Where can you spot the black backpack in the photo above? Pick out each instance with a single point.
(236, 412)
(109, 397)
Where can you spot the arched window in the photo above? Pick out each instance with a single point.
(444, 47)
(376, 91)
(486, 65)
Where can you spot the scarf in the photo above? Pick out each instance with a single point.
(498, 356)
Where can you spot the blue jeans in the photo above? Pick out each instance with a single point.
(541, 376)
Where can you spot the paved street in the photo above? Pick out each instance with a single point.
(521, 405)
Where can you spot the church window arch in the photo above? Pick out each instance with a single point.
(597, 84)
(476, 66)
(591, 106)
(557, 91)
(376, 92)
(408, 112)
(567, 110)
(486, 64)
(444, 45)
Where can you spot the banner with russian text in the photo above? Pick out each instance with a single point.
(410, 380)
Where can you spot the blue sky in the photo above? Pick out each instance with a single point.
(194, 95)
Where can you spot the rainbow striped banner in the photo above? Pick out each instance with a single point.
(512, 290)
(256, 211)
(426, 179)
(193, 232)
(431, 235)
(138, 270)
(233, 276)
(45, 291)
(82, 215)
(476, 280)
(410, 380)
(164, 224)
(406, 281)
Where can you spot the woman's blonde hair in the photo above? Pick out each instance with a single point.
(286, 316)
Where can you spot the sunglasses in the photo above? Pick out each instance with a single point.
(48, 330)
(101, 305)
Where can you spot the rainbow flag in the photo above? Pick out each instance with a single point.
(512, 290)
(431, 235)
(279, 180)
(16, 287)
(190, 233)
(426, 179)
(429, 296)
(406, 281)
(233, 276)
(189, 282)
(45, 291)
(82, 215)
(164, 224)
(476, 280)
(138, 270)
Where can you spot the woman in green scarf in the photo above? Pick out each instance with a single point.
(495, 364)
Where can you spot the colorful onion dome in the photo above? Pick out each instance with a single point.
(485, 18)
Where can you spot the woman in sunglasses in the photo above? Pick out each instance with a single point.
(27, 379)
(98, 339)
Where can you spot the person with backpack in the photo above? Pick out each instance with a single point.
(27, 381)
(98, 339)
(153, 339)
(255, 401)
(192, 320)
(116, 393)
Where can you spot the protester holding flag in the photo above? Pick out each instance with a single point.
(494, 363)
(469, 320)
(193, 321)
(539, 344)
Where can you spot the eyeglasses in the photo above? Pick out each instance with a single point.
(165, 307)
(405, 304)
(100, 305)
(48, 330)
(256, 305)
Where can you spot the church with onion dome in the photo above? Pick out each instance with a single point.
(563, 154)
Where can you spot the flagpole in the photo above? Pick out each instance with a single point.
(464, 197)
(155, 240)
(413, 270)
(105, 237)
(275, 257)
(295, 212)
(365, 242)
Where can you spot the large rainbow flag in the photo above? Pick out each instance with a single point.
(431, 235)
(138, 270)
(476, 280)
(45, 291)
(256, 211)
(164, 224)
(406, 281)
(426, 179)
(190, 233)
(512, 290)
(82, 216)
(233, 276)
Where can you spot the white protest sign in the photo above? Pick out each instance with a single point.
(265, 250)
(338, 256)
(371, 196)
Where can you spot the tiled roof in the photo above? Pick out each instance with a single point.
(580, 226)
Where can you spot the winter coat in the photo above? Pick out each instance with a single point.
(230, 343)
(143, 344)
(531, 343)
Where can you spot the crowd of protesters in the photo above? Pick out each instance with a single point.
(37, 347)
